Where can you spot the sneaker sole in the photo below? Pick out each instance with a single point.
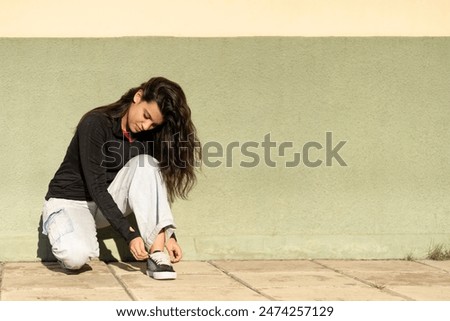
(162, 275)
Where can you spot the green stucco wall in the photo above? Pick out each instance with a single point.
(388, 99)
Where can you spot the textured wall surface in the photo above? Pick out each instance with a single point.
(386, 98)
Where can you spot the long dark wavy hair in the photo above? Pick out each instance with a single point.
(174, 143)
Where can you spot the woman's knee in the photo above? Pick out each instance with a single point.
(144, 161)
(73, 255)
(74, 263)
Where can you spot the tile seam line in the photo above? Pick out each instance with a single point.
(240, 281)
(372, 285)
(434, 267)
(127, 291)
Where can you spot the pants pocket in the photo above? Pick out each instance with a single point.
(58, 225)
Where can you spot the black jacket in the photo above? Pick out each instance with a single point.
(96, 153)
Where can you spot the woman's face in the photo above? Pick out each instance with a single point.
(142, 115)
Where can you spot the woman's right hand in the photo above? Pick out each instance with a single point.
(137, 248)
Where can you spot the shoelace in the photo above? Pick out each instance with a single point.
(160, 258)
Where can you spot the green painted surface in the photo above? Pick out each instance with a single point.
(387, 98)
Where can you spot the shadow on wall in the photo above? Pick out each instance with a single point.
(44, 248)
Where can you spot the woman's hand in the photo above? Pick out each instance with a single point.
(174, 250)
(137, 248)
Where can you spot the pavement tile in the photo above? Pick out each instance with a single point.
(414, 280)
(48, 281)
(191, 281)
(424, 293)
(328, 293)
(255, 280)
(284, 273)
(197, 293)
(295, 279)
(392, 273)
(312, 286)
(268, 265)
(65, 294)
(184, 267)
(405, 279)
(443, 265)
(301, 280)
(376, 265)
(196, 281)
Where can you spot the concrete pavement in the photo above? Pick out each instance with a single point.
(281, 280)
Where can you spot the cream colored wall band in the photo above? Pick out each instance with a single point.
(224, 18)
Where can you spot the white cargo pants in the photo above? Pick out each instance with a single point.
(138, 188)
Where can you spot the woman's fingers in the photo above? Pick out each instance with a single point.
(137, 249)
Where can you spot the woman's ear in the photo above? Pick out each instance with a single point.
(137, 96)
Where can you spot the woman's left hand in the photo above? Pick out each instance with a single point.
(174, 250)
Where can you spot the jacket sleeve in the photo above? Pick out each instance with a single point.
(92, 134)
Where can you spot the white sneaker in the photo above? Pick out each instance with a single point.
(159, 267)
